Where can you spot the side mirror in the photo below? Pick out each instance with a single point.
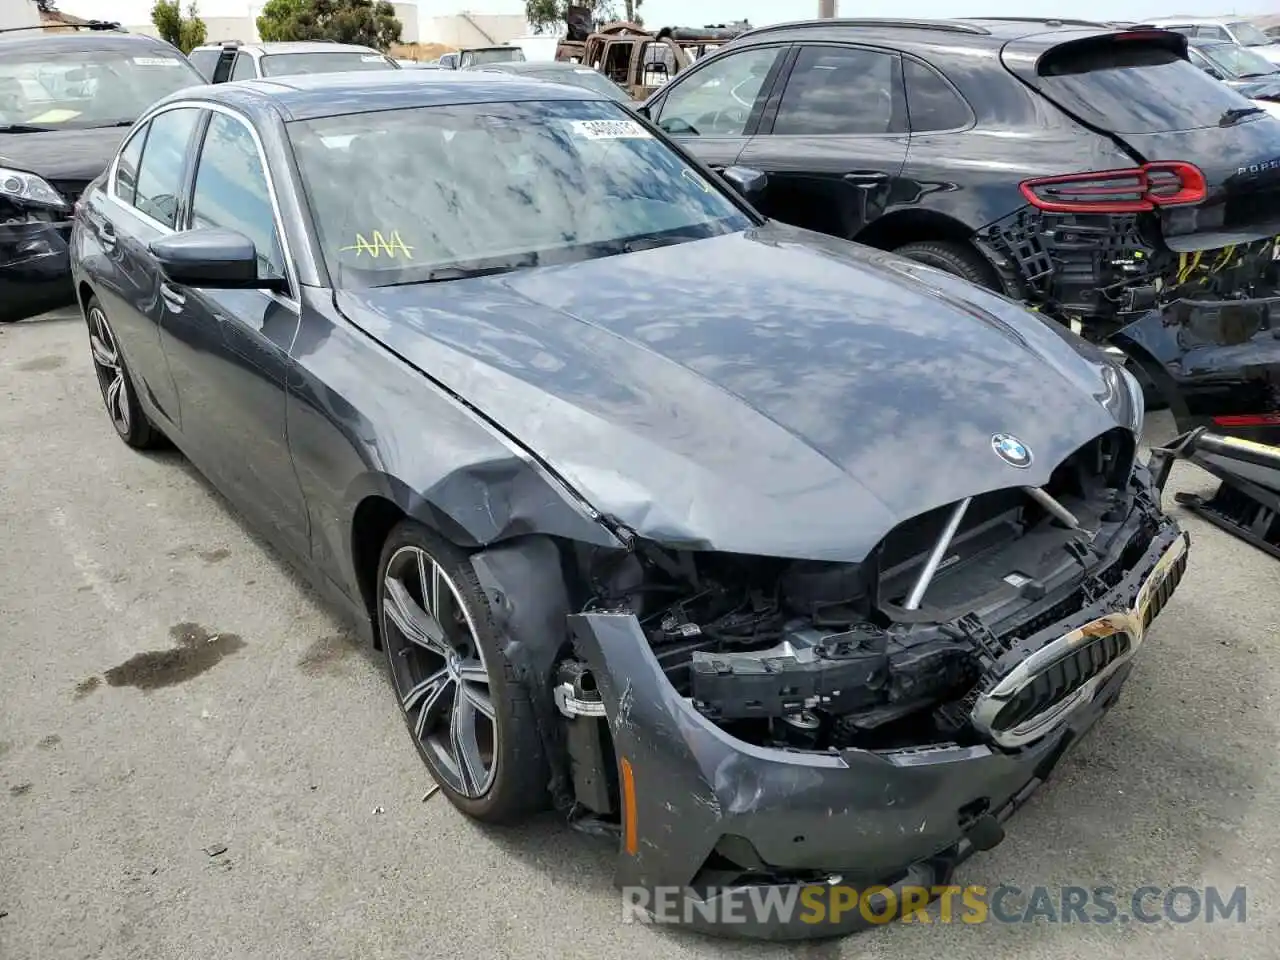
(747, 181)
(219, 259)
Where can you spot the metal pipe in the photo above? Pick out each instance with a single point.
(1053, 506)
(826, 9)
(1234, 448)
(935, 557)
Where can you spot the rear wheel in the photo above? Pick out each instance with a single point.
(958, 259)
(469, 718)
(116, 383)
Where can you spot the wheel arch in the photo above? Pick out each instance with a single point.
(475, 507)
(84, 293)
(901, 227)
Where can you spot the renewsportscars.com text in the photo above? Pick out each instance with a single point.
(819, 904)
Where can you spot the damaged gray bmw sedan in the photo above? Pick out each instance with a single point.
(779, 559)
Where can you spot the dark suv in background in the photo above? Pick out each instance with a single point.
(1090, 170)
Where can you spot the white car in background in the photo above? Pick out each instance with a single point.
(1231, 29)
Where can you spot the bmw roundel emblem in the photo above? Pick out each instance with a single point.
(1011, 450)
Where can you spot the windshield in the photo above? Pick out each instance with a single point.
(78, 88)
(1127, 86)
(339, 61)
(1249, 35)
(1236, 62)
(440, 193)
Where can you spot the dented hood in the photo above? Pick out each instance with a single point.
(773, 392)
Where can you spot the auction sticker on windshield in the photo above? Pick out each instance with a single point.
(157, 62)
(610, 130)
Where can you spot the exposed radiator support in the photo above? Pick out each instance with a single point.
(935, 556)
(1053, 506)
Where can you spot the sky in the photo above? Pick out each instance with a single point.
(759, 12)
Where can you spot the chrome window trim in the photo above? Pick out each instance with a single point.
(291, 273)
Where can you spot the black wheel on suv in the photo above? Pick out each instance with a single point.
(958, 259)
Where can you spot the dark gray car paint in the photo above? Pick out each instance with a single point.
(629, 393)
(774, 391)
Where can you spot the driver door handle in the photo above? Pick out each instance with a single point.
(866, 178)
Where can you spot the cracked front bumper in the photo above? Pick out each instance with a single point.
(904, 817)
(35, 268)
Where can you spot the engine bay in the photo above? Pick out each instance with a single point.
(815, 655)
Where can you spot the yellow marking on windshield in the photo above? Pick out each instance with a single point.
(55, 116)
(379, 244)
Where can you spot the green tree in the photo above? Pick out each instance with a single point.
(185, 33)
(549, 14)
(372, 23)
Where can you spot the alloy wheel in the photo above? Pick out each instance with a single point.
(439, 671)
(110, 370)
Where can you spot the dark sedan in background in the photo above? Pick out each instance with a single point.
(697, 526)
(66, 101)
(557, 71)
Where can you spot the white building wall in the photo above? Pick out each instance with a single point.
(407, 14)
(217, 29)
(18, 13)
(472, 29)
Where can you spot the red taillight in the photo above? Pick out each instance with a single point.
(1136, 190)
(1249, 420)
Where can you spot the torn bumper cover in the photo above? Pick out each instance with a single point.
(35, 267)
(1247, 502)
(717, 818)
(1216, 362)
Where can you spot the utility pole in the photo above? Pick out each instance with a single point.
(826, 9)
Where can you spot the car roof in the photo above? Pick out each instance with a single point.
(82, 40)
(310, 96)
(528, 66)
(1193, 21)
(288, 46)
(919, 34)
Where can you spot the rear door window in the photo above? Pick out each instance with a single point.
(931, 102)
(244, 68)
(841, 91)
(1133, 86)
(163, 162)
(204, 61)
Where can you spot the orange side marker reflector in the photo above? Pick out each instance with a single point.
(630, 836)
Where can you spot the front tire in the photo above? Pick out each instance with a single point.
(469, 717)
(116, 383)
